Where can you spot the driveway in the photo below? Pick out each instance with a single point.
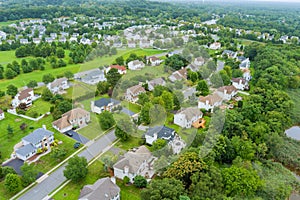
(16, 164)
(55, 179)
(127, 112)
(76, 136)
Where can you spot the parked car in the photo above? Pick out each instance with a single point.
(76, 145)
(69, 133)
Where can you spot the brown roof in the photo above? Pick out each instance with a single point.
(229, 89)
(75, 113)
(212, 98)
(25, 93)
(153, 58)
(237, 80)
(190, 112)
(136, 89)
(183, 72)
(57, 82)
(61, 123)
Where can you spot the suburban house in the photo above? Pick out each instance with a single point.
(209, 102)
(2, 116)
(215, 46)
(58, 85)
(25, 96)
(135, 162)
(165, 133)
(199, 61)
(145, 44)
(136, 65)
(121, 69)
(227, 92)
(193, 67)
(178, 75)
(155, 82)
(91, 77)
(76, 117)
(131, 44)
(154, 61)
(247, 74)
(104, 189)
(240, 83)
(159, 132)
(220, 65)
(229, 53)
(187, 116)
(244, 62)
(132, 93)
(104, 104)
(38, 139)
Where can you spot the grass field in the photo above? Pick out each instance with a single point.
(23, 79)
(6, 23)
(295, 96)
(39, 106)
(72, 190)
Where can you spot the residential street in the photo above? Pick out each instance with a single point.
(41, 190)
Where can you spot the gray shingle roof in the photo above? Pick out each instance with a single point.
(27, 149)
(37, 135)
(105, 101)
(162, 132)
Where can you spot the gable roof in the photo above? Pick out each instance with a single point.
(237, 80)
(57, 82)
(24, 93)
(105, 101)
(26, 149)
(103, 189)
(136, 89)
(133, 160)
(190, 112)
(162, 132)
(229, 88)
(212, 98)
(37, 135)
(157, 81)
(118, 67)
(75, 113)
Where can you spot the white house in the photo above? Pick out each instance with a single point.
(121, 69)
(178, 75)
(209, 102)
(104, 189)
(91, 77)
(2, 116)
(77, 117)
(131, 44)
(227, 92)
(104, 104)
(38, 139)
(136, 65)
(187, 116)
(154, 61)
(132, 93)
(25, 96)
(199, 61)
(229, 53)
(58, 85)
(136, 162)
(246, 74)
(159, 132)
(240, 83)
(215, 46)
(155, 82)
(24, 41)
(244, 62)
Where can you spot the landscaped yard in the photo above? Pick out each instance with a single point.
(131, 106)
(72, 190)
(79, 89)
(129, 192)
(130, 143)
(93, 129)
(40, 107)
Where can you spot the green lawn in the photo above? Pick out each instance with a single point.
(39, 106)
(129, 192)
(93, 129)
(79, 89)
(72, 190)
(130, 143)
(7, 23)
(131, 106)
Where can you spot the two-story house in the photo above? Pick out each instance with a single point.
(178, 75)
(75, 118)
(121, 69)
(240, 83)
(227, 92)
(136, 65)
(58, 85)
(136, 162)
(104, 189)
(91, 77)
(38, 139)
(155, 82)
(159, 132)
(154, 61)
(25, 96)
(104, 104)
(209, 102)
(187, 116)
(132, 93)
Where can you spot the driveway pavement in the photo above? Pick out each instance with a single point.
(49, 184)
(80, 138)
(16, 164)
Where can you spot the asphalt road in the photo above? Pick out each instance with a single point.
(54, 180)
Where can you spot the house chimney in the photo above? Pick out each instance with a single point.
(113, 179)
(44, 127)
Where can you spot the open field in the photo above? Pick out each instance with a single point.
(23, 79)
